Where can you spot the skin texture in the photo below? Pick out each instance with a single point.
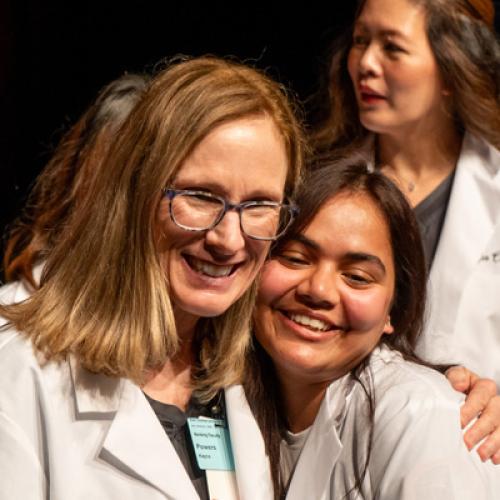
(242, 160)
(340, 273)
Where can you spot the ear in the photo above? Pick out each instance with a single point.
(388, 328)
(446, 92)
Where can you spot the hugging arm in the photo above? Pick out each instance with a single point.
(482, 401)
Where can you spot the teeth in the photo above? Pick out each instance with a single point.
(210, 269)
(313, 323)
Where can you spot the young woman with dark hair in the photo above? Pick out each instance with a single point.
(346, 406)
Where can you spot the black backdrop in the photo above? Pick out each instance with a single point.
(55, 56)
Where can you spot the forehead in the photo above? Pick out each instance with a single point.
(245, 151)
(403, 16)
(350, 223)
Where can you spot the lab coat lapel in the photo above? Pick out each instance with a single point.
(312, 474)
(135, 442)
(253, 474)
(470, 221)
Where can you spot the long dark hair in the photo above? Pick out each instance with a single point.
(467, 52)
(407, 312)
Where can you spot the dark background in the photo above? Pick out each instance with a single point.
(54, 57)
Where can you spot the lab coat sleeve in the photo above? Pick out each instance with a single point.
(21, 472)
(418, 451)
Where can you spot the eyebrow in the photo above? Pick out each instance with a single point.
(306, 241)
(368, 257)
(220, 190)
(350, 257)
(384, 32)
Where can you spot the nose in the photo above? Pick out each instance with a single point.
(226, 238)
(369, 61)
(319, 290)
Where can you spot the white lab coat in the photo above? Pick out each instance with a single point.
(17, 291)
(417, 454)
(463, 306)
(66, 433)
(464, 284)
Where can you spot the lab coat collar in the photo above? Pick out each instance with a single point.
(135, 442)
(253, 473)
(469, 224)
(323, 446)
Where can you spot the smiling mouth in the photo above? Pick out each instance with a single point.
(313, 324)
(209, 269)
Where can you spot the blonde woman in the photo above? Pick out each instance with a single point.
(144, 304)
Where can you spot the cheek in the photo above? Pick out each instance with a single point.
(415, 80)
(366, 310)
(274, 282)
(258, 251)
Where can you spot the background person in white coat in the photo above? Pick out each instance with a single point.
(67, 177)
(353, 412)
(417, 84)
(142, 315)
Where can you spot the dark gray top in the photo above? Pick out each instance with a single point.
(430, 214)
(174, 421)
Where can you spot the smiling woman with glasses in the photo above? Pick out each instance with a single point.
(114, 368)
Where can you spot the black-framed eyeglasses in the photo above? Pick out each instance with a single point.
(201, 211)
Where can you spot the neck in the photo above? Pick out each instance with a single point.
(172, 384)
(301, 401)
(418, 162)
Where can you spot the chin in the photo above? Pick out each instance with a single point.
(373, 124)
(203, 306)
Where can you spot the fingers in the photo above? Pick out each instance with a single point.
(490, 449)
(461, 378)
(487, 426)
(482, 393)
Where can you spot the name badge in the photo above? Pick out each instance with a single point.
(211, 443)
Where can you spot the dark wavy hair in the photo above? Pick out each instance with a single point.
(350, 175)
(67, 177)
(467, 52)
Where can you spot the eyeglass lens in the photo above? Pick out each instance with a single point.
(200, 212)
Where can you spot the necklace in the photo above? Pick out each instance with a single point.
(406, 184)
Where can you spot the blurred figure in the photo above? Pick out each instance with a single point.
(67, 178)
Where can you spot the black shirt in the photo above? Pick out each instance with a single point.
(174, 421)
(430, 214)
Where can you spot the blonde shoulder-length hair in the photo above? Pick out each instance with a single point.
(104, 297)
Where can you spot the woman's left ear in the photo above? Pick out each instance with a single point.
(388, 328)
